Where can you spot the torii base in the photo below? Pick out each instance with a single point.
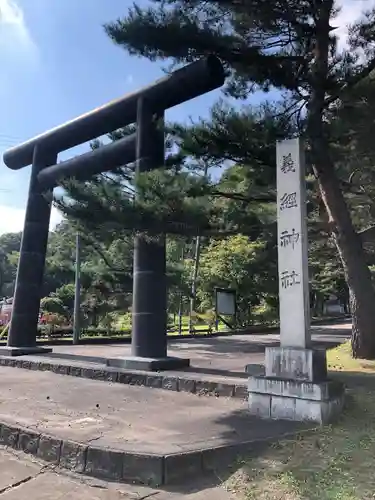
(149, 364)
(23, 351)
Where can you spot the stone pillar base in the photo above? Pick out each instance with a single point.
(295, 387)
(149, 364)
(23, 351)
(294, 400)
(296, 363)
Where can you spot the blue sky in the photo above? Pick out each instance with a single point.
(57, 63)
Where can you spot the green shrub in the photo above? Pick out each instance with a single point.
(264, 313)
(123, 321)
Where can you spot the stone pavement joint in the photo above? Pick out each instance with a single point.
(18, 483)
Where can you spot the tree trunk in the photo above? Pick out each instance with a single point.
(357, 273)
(348, 242)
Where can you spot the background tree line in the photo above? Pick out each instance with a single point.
(244, 261)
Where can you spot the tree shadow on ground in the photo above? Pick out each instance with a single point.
(323, 337)
(233, 351)
(283, 459)
(242, 435)
(222, 356)
(328, 463)
(225, 345)
(353, 379)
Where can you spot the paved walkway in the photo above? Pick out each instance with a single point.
(125, 432)
(125, 417)
(23, 477)
(220, 358)
(131, 419)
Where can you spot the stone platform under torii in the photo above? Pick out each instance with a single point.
(295, 385)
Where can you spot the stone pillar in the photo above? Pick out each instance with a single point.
(149, 312)
(295, 385)
(292, 246)
(29, 281)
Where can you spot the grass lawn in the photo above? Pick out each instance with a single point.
(340, 359)
(335, 462)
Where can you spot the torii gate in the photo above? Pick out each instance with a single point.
(145, 107)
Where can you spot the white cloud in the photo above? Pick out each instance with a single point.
(15, 37)
(351, 11)
(56, 218)
(12, 219)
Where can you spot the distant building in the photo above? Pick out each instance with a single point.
(333, 306)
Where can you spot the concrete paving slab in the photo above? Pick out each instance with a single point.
(87, 414)
(14, 471)
(52, 486)
(123, 432)
(16, 458)
(123, 417)
(22, 477)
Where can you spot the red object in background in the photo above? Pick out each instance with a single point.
(5, 313)
(42, 319)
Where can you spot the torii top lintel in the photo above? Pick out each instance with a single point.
(182, 85)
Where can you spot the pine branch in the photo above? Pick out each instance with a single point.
(101, 254)
(242, 197)
(367, 235)
(352, 82)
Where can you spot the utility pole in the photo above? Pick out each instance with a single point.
(181, 304)
(77, 293)
(195, 271)
(194, 281)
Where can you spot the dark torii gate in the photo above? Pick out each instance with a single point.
(145, 107)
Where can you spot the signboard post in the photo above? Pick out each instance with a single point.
(225, 305)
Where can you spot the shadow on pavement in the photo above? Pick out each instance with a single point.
(243, 436)
(354, 379)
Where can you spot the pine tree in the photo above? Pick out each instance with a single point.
(289, 45)
(179, 198)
